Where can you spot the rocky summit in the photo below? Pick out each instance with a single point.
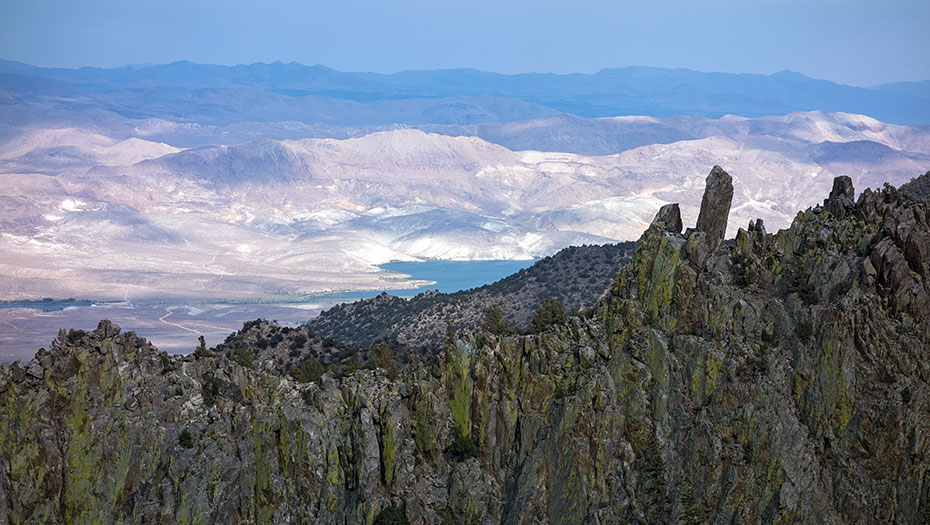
(773, 378)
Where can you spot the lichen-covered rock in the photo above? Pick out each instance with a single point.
(668, 218)
(784, 379)
(715, 206)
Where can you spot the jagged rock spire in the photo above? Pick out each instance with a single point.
(842, 188)
(757, 226)
(668, 218)
(715, 206)
(841, 196)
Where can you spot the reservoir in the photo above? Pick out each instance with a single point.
(46, 305)
(174, 325)
(454, 276)
(447, 276)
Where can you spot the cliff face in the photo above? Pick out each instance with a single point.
(775, 378)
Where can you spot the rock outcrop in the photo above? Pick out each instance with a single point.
(668, 218)
(842, 197)
(785, 380)
(918, 187)
(715, 206)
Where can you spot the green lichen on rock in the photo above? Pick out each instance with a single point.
(425, 425)
(82, 459)
(461, 386)
(387, 448)
(688, 395)
(262, 450)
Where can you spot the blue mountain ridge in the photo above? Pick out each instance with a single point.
(318, 94)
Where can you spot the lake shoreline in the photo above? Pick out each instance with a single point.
(174, 325)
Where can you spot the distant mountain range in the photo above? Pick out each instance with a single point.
(316, 94)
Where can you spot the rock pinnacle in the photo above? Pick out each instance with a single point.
(715, 206)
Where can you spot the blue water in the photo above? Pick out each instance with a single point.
(45, 306)
(449, 276)
(453, 276)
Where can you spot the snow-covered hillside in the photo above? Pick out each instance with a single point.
(91, 215)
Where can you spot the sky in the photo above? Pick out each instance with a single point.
(855, 42)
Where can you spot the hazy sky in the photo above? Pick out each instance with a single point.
(851, 41)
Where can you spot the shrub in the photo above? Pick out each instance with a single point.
(393, 515)
(462, 448)
(450, 332)
(310, 369)
(248, 325)
(743, 270)
(209, 389)
(798, 281)
(75, 335)
(494, 321)
(299, 341)
(550, 312)
(308, 396)
(343, 369)
(166, 365)
(383, 357)
(201, 350)
(186, 439)
(243, 356)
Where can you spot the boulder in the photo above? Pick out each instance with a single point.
(35, 370)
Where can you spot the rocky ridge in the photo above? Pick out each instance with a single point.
(777, 378)
(578, 276)
(415, 329)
